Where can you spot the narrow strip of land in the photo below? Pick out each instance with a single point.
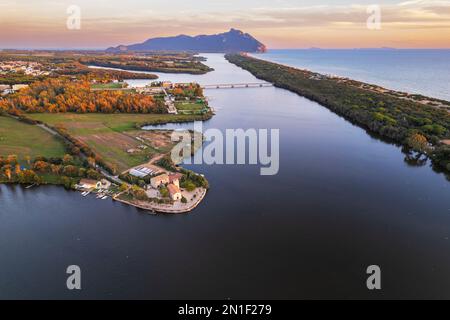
(421, 124)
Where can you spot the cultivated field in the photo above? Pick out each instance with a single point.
(159, 140)
(116, 137)
(116, 122)
(27, 140)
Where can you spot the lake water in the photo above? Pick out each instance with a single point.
(424, 72)
(342, 201)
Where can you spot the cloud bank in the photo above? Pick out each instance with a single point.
(417, 23)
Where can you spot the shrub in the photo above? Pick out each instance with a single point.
(164, 192)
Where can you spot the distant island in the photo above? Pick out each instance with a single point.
(231, 41)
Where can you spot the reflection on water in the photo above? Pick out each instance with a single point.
(342, 201)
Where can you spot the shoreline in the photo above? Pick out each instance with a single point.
(358, 78)
(149, 206)
(163, 209)
(425, 100)
(152, 72)
(382, 111)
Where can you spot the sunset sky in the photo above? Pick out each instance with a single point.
(277, 23)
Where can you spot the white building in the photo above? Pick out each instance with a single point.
(175, 178)
(141, 172)
(17, 87)
(159, 180)
(174, 192)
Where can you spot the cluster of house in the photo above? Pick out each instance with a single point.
(7, 89)
(319, 76)
(156, 87)
(171, 85)
(172, 181)
(28, 68)
(159, 87)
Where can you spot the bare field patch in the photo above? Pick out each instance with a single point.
(157, 139)
(112, 139)
(117, 149)
(115, 137)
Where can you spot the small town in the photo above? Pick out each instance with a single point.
(25, 67)
(7, 89)
(19, 70)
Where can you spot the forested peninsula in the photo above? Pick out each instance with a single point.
(421, 124)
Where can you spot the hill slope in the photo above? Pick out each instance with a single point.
(231, 41)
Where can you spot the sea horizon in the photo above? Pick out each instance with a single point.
(248, 152)
(414, 71)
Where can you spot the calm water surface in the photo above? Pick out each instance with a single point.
(342, 201)
(424, 72)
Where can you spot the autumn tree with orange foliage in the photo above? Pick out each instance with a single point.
(8, 172)
(418, 143)
(63, 95)
(40, 166)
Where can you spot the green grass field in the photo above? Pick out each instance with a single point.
(100, 86)
(112, 135)
(190, 108)
(24, 140)
(116, 122)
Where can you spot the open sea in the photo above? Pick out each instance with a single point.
(425, 72)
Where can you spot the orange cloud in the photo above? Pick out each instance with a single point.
(416, 23)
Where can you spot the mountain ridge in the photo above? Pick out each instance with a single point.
(227, 42)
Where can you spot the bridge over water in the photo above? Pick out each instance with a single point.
(237, 85)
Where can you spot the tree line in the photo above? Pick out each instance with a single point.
(406, 122)
(66, 171)
(64, 95)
